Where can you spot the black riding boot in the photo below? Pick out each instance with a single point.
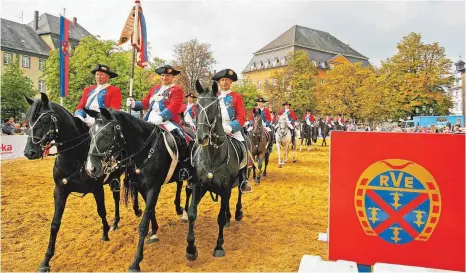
(292, 137)
(243, 178)
(183, 157)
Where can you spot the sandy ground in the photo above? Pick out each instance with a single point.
(283, 217)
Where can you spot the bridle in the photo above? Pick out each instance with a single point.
(210, 125)
(46, 140)
(111, 159)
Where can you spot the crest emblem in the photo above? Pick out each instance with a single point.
(230, 72)
(104, 68)
(398, 201)
(441, 119)
(169, 70)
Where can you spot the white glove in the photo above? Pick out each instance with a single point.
(227, 128)
(89, 121)
(192, 124)
(130, 102)
(156, 119)
(246, 123)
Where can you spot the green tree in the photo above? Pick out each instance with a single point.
(295, 83)
(417, 75)
(248, 90)
(88, 53)
(15, 86)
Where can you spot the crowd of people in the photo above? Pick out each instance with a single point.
(10, 127)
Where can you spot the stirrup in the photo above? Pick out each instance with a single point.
(114, 185)
(184, 174)
(241, 187)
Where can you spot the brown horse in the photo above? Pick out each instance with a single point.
(260, 142)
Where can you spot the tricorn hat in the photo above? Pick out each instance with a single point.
(167, 69)
(286, 103)
(226, 73)
(261, 99)
(104, 68)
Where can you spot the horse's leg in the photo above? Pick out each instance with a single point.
(177, 202)
(188, 192)
(151, 201)
(227, 215)
(239, 207)
(100, 201)
(267, 155)
(153, 238)
(191, 250)
(278, 152)
(301, 145)
(221, 220)
(295, 155)
(59, 197)
(134, 195)
(253, 172)
(116, 198)
(259, 165)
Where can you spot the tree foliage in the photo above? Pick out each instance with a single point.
(248, 90)
(15, 86)
(195, 61)
(88, 53)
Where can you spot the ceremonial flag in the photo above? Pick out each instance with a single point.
(135, 27)
(64, 56)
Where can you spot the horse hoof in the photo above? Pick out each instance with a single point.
(239, 216)
(153, 239)
(265, 174)
(114, 227)
(227, 224)
(279, 165)
(184, 218)
(191, 257)
(257, 181)
(134, 268)
(179, 211)
(138, 213)
(105, 238)
(219, 253)
(44, 269)
(294, 161)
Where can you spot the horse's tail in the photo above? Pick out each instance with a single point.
(127, 187)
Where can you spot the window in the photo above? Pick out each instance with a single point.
(259, 85)
(42, 86)
(26, 61)
(41, 64)
(314, 63)
(7, 58)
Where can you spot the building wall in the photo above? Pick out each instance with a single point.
(47, 38)
(32, 72)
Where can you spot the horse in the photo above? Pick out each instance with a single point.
(50, 122)
(306, 136)
(260, 142)
(283, 138)
(324, 130)
(219, 161)
(119, 138)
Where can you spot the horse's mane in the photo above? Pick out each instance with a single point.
(130, 122)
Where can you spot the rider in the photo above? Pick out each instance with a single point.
(163, 103)
(233, 114)
(102, 95)
(290, 118)
(309, 117)
(273, 118)
(329, 121)
(266, 118)
(189, 111)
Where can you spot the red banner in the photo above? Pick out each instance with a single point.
(398, 198)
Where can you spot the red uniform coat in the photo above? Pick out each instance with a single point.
(112, 99)
(291, 115)
(172, 103)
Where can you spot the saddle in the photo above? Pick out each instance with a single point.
(241, 152)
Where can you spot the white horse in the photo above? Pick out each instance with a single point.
(283, 139)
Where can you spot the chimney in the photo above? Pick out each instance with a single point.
(36, 20)
(75, 21)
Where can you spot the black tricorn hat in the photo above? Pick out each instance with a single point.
(286, 103)
(190, 95)
(261, 99)
(167, 69)
(226, 73)
(104, 68)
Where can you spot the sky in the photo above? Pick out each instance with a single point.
(237, 29)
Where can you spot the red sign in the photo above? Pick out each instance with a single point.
(398, 198)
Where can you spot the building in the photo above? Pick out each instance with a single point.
(29, 44)
(458, 92)
(325, 51)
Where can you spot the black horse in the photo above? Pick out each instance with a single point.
(324, 130)
(119, 138)
(218, 160)
(306, 135)
(50, 122)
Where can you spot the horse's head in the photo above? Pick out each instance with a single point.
(106, 143)
(257, 121)
(42, 127)
(282, 123)
(209, 115)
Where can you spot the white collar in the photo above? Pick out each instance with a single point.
(166, 86)
(287, 110)
(224, 93)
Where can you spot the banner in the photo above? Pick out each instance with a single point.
(13, 146)
(64, 56)
(398, 198)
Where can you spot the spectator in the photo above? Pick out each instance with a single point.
(457, 129)
(17, 130)
(24, 125)
(424, 130)
(12, 121)
(458, 122)
(446, 130)
(449, 125)
(433, 129)
(7, 127)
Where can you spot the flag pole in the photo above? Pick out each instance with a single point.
(131, 78)
(61, 98)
